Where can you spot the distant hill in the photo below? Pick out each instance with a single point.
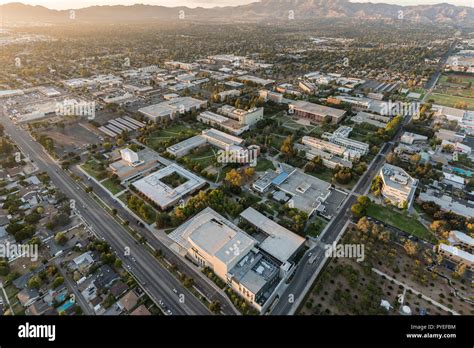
(263, 10)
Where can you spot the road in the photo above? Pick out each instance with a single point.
(430, 85)
(79, 299)
(205, 285)
(335, 228)
(157, 282)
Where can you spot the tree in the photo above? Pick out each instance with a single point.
(188, 282)
(234, 178)
(363, 201)
(460, 270)
(249, 172)
(215, 307)
(58, 281)
(410, 247)
(118, 263)
(415, 158)
(287, 146)
(439, 226)
(60, 238)
(4, 268)
(34, 282)
(343, 175)
(364, 225)
(357, 210)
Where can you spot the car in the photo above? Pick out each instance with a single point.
(175, 291)
(169, 312)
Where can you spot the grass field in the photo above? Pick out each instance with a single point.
(402, 222)
(450, 100)
(453, 89)
(112, 187)
(205, 159)
(163, 136)
(276, 141)
(92, 168)
(264, 165)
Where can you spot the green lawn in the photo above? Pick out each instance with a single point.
(449, 100)
(163, 136)
(92, 168)
(402, 222)
(325, 175)
(316, 227)
(264, 165)
(276, 141)
(110, 185)
(205, 159)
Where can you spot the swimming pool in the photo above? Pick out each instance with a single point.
(65, 306)
(462, 171)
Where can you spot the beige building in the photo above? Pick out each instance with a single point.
(398, 187)
(315, 112)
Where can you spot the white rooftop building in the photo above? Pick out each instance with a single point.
(172, 107)
(281, 242)
(398, 187)
(165, 195)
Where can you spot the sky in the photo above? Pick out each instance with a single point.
(67, 4)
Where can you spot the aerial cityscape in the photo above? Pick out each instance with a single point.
(310, 158)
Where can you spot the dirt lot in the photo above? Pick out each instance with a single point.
(73, 137)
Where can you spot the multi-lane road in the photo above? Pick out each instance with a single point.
(307, 270)
(205, 285)
(158, 282)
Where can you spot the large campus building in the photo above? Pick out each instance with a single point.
(244, 117)
(230, 125)
(316, 113)
(307, 193)
(253, 268)
(171, 108)
(397, 185)
(169, 185)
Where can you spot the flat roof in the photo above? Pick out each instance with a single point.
(281, 242)
(215, 235)
(192, 142)
(463, 237)
(162, 194)
(458, 252)
(307, 191)
(222, 136)
(318, 109)
(167, 107)
(397, 178)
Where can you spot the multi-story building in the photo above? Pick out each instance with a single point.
(220, 139)
(247, 117)
(272, 96)
(232, 126)
(463, 240)
(316, 113)
(397, 186)
(350, 144)
(171, 108)
(412, 138)
(335, 149)
(183, 148)
(255, 269)
(456, 255)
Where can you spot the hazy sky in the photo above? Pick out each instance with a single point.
(66, 4)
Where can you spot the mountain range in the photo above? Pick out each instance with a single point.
(257, 11)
